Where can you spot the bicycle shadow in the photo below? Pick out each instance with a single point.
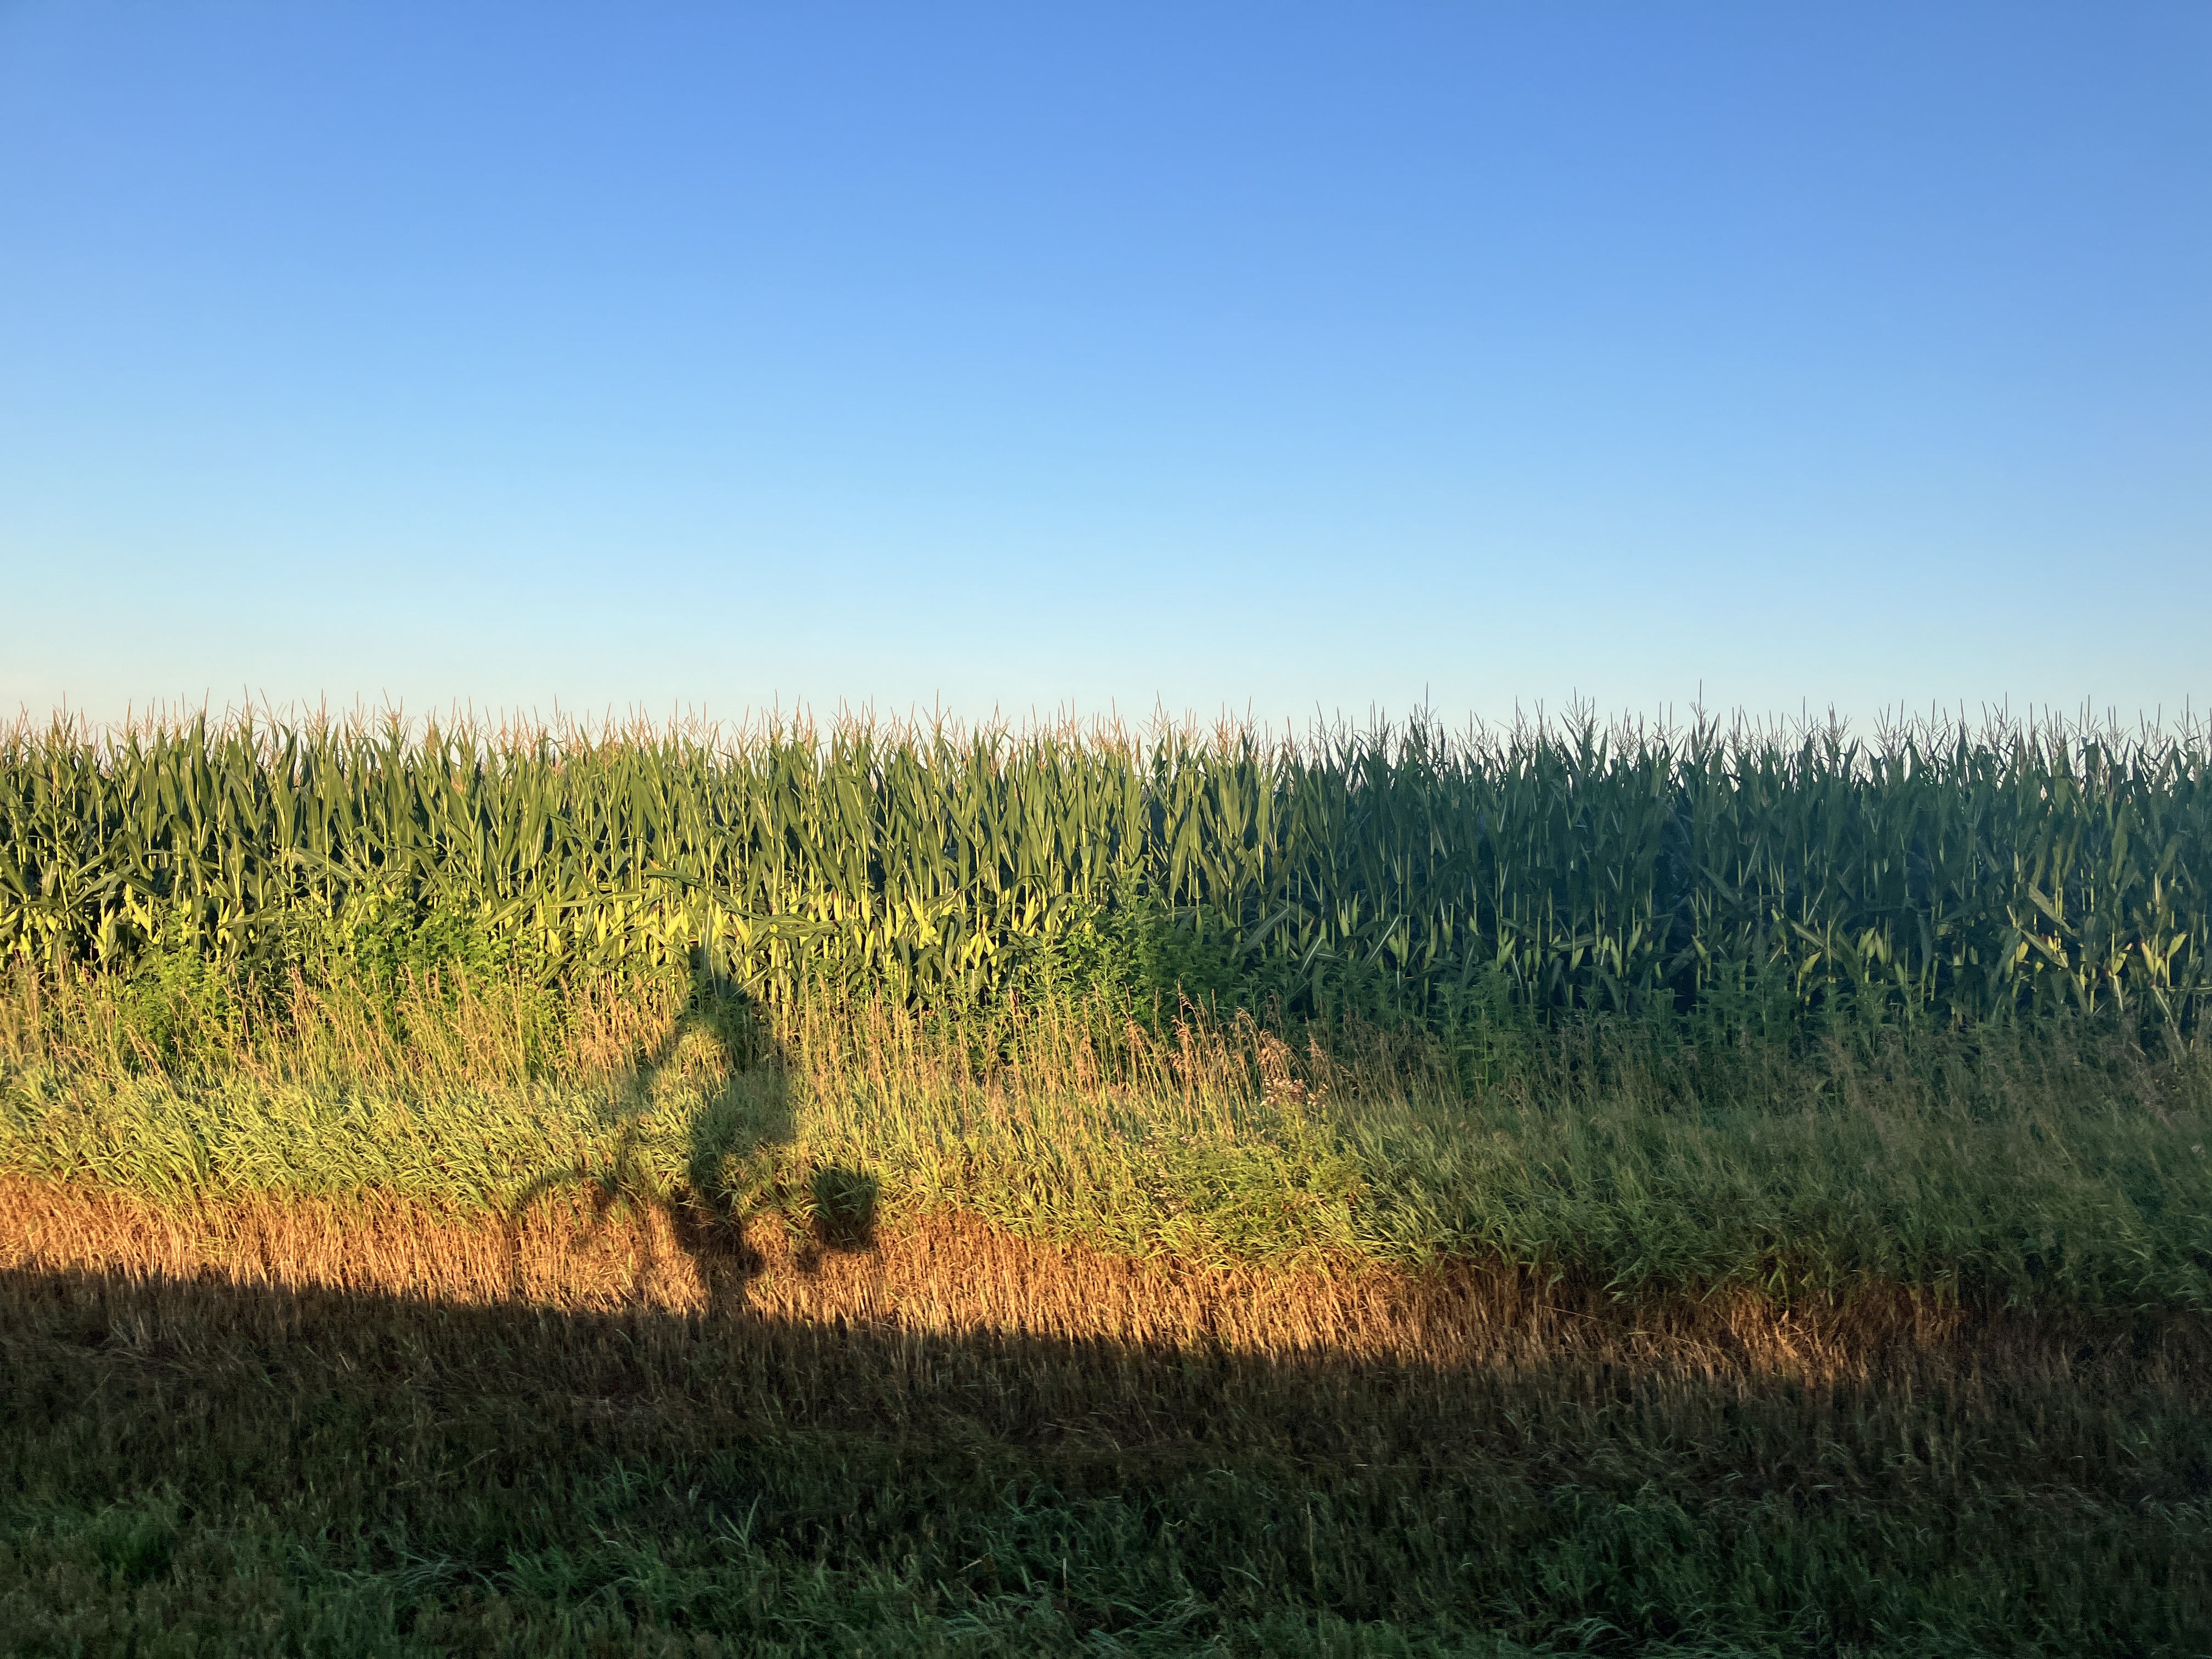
(722, 1064)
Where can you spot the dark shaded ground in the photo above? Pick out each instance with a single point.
(192, 1469)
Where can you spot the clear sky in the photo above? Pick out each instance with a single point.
(1280, 357)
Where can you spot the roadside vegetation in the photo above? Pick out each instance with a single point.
(883, 1191)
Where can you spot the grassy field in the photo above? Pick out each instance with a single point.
(810, 1333)
(199, 1465)
(587, 1251)
(2046, 1160)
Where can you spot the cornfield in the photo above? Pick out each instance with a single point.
(1934, 872)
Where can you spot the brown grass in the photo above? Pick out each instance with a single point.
(955, 1278)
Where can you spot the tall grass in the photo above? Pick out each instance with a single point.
(1934, 873)
(706, 1328)
(2045, 1160)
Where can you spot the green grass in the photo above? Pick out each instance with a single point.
(200, 1469)
(2054, 1161)
(203, 1468)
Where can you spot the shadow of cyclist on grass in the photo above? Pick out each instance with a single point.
(722, 1059)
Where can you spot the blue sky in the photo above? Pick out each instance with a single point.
(1271, 357)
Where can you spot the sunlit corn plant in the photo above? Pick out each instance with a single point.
(1932, 873)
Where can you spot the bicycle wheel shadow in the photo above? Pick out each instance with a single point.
(722, 1065)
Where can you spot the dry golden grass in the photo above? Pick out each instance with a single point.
(955, 1278)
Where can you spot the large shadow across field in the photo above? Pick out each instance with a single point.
(513, 1479)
